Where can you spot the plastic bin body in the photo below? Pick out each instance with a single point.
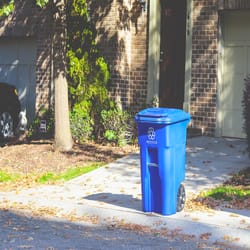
(162, 141)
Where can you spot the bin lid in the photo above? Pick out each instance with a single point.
(162, 115)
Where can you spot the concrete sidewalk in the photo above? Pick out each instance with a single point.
(112, 194)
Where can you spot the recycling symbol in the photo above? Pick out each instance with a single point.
(151, 133)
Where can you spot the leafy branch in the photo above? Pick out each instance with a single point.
(6, 8)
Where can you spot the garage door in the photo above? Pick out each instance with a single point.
(235, 66)
(17, 66)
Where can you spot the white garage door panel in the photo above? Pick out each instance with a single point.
(17, 66)
(27, 53)
(238, 24)
(235, 66)
(26, 90)
(8, 51)
(8, 73)
(13, 51)
(232, 122)
(234, 73)
(235, 60)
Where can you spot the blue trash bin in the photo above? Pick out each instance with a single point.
(162, 141)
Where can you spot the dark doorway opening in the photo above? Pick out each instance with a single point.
(172, 54)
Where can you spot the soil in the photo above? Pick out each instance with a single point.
(35, 158)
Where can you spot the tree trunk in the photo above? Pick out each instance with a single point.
(63, 138)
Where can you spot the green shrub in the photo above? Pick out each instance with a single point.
(118, 126)
(82, 126)
(34, 130)
(246, 110)
(88, 74)
(6, 7)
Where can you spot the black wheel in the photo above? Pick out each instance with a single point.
(181, 198)
(6, 125)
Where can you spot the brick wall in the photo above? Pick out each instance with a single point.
(204, 65)
(28, 20)
(122, 38)
(44, 32)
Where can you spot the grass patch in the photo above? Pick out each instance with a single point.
(48, 177)
(5, 177)
(69, 174)
(233, 193)
(227, 193)
(51, 177)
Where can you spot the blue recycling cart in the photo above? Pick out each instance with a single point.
(162, 140)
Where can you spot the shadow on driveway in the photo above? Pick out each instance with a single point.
(122, 200)
(19, 231)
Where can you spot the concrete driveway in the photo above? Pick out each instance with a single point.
(112, 195)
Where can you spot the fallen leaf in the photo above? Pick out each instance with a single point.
(205, 236)
(230, 238)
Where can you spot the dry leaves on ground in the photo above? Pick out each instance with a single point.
(39, 157)
(240, 181)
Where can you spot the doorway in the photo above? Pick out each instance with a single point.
(172, 53)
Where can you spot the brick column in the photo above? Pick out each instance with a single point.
(204, 65)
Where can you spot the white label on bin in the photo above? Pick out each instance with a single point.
(151, 136)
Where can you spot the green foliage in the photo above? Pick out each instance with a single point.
(236, 188)
(69, 174)
(227, 193)
(81, 123)
(110, 135)
(246, 110)
(4, 177)
(34, 128)
(88, 73)
(41, 3)
(47, 177)
(6, 7)
(118, 126)
(53, 177)
(77, 171)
